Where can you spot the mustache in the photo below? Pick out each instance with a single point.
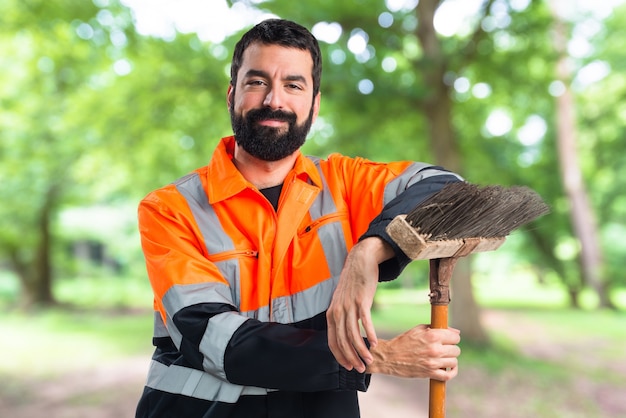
(264, 113)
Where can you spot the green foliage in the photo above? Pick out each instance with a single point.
(94, 113)
(106, 292)
(602, 128)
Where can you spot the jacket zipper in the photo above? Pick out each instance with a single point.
(226, 255)
(323, 220)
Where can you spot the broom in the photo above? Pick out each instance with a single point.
(462, 218)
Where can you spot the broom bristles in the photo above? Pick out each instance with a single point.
(464, 210)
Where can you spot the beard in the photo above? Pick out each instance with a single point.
(265, 142)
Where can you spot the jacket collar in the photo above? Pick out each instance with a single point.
(225, 181)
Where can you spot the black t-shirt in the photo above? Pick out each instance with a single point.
(272, 194)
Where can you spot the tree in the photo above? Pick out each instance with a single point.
(437, 105)
(582, 216)
(601, 132)
(45, 63)
(86, 119)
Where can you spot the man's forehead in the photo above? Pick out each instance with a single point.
(258, 49)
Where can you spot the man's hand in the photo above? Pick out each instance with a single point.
(352, 302)
(419, 352)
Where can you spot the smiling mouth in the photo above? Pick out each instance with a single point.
(272, 122)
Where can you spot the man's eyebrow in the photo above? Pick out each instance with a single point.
(263, 74)
(257, 73)
(296, 78)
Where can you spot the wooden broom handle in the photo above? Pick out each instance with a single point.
(440, 274)
(437, 389)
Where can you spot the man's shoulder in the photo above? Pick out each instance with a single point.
(191, 176)
(358, 162)
(335, 158)
(173, 187)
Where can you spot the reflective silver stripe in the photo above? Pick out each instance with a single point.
(215, 239)
(330, 235)
(209, 385)
(230, 271)
(214, 341)
(159, 327)
(334, 244)
(197, 384)
(324, 203)
(213, 235)
(262, 314)
(304, 305)
(411, 175)
(180, 296)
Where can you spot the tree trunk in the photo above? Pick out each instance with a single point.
(34, 270)
(581, 212)
(573, 294)
(573, 280)
(464, 311)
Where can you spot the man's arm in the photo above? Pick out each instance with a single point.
(352, 302)
(419, 352)
(376, 257)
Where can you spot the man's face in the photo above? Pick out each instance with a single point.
(272, 106)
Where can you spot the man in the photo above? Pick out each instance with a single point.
(244, 256)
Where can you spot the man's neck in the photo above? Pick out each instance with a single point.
(260, 173)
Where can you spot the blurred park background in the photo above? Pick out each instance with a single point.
(102, 101)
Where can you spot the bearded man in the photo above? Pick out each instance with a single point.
(265, 262)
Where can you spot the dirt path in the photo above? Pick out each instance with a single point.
(107, 391)
(394, 397)
(112, 390)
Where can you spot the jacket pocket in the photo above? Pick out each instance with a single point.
(320, 222)
(232, 264)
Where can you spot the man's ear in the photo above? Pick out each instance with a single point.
(316, 105)
(229, 96)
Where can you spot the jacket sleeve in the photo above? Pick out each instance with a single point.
(422, 184)
(284, 357)
(203, 329)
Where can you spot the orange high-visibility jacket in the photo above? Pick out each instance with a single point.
(241, 290)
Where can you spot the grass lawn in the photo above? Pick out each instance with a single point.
(552, 360)
(57, 341)
(99, 320)
(112, 317)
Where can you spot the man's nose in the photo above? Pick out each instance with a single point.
(274, 98)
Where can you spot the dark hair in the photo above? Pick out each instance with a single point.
(284, 33)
